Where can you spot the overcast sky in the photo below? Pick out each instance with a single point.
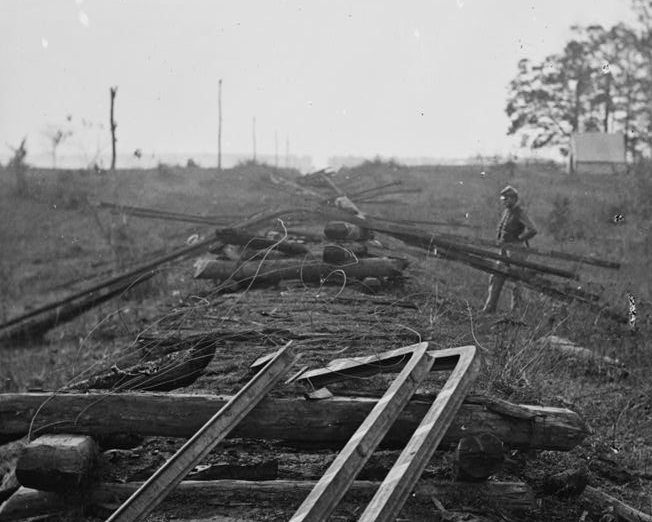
(324, 77)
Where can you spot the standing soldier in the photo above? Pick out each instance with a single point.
(515, 228)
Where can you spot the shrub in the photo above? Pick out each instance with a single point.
(559, 217)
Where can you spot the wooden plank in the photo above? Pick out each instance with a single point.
(154, 490)
(390, 361)
(512, 497)
(330, 489)
(392, 493)
(328, 423)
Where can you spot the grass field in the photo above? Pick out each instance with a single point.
(57, 238)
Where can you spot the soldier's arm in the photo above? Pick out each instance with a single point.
(530, 230)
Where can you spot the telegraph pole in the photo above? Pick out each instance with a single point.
(114, 125)
(287, 151)
(254, 136)
(219, 126)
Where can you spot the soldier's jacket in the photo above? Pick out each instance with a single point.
(515, 226)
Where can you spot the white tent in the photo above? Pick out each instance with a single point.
(597, 153)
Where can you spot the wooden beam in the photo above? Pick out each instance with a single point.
(512, 497)
(330, 489)
(271, 271)
(57, 462)
(393, 492)
(159, 485)
(329, 422)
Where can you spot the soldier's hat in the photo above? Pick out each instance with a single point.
(508, 191)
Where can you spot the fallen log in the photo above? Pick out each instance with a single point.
(510, 497)
(234, 236)
(599, 503)
(309, 271)
(329, 422)
(57, 462)
(172, 371)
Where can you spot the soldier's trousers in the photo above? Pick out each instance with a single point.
(497, 282)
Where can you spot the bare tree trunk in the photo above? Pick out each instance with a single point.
(114, 125)
(18, 164)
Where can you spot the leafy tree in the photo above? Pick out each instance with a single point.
(620, 99)
(544, 100)
(601, 81)
(643, 11)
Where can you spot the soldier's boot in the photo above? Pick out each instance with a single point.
(493, 295)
